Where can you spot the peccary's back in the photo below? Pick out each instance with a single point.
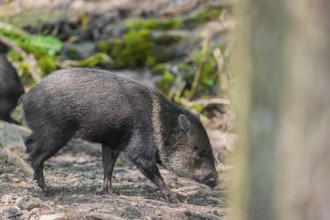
(88, 99)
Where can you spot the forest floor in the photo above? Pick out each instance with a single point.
(75, 176)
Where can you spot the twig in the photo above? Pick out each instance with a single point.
(200, 68)
(29, 58)
(206, 102)
(221, 66)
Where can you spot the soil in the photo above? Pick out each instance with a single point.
(75, 176)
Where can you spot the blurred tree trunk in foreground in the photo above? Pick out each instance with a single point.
(283, 158)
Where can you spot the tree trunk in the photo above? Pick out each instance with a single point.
(284, 154)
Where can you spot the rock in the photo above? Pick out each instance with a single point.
(16, 179)
(79, 51)
(200, 215)
(11, 213)
(8, 198)
(58, 216)
(28, 203)
(102, 216)
(35, 211)
(131, 213)
(25, 215)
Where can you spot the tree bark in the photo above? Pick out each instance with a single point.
(284, 115)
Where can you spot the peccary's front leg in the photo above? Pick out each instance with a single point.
(109, 157)
(151, 171)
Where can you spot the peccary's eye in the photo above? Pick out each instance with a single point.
(200, 152)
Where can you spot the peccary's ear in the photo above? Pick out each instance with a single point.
(184, 123)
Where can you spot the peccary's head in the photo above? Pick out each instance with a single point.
(189, 153)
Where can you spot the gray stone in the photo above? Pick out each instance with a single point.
(28, 203)
(11, 213)
(8, 198)
(58, 216)
(102, 216)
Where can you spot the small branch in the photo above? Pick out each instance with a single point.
(206, 102)
(224, 81)
(12, 29)
(200, 68)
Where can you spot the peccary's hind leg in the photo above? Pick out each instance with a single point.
(43, 146)
(151, 171)
(109, 157)
(29, 144)
(33, 148)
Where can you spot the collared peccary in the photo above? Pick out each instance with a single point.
(11, 88)
(122, 115)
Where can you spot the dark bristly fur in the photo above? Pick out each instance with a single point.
(123, 116)
(11, 88)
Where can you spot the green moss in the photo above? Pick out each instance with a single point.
(2, 161)
(47, 64)
(159, 69)
(207, 15)
(155, 24)
(14, 56)
(202, 16)
(166, 82)
(209, 75)
(98, 58)
(135, 49)
(72, 53)
(36, 44)
(44, 49)
(168, 77)
(103, 46)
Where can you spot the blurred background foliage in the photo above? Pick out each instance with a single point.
(183, 45)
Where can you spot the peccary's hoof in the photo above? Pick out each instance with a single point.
(173, 198)
(47, 191)
(106, 192)
(110, 193)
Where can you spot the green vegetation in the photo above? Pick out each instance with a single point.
(133, 50)
(202, 16)
(43, 48)
(209, 75)
(167, 79)
(94, 60)
(155, 24)
(144, 43)
(38, 45)
(2, 161)
(47, 64)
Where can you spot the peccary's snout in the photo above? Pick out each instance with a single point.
(207, 177)
(211, 180)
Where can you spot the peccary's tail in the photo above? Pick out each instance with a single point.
(28, 143)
